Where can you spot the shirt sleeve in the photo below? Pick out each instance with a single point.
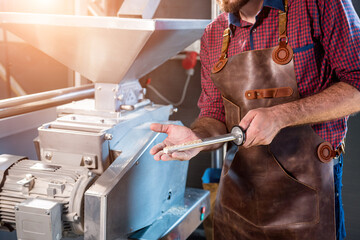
(340, 27)
(210, 101)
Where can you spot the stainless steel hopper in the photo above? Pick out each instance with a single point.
(105, 49)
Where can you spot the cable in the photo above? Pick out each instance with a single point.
(189, 72)
(188, 64)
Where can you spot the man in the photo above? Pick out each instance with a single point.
(288, 73)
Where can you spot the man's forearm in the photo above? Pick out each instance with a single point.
(263, 124)
(339, 100)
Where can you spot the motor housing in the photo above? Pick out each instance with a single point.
(24, 180)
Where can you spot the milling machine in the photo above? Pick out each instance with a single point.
(95, 177)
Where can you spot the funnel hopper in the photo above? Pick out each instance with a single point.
(105, 49)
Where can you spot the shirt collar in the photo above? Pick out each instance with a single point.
(277, 4)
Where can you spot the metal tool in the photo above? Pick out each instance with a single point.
(237, 135)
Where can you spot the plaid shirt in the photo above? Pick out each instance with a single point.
(325, 37)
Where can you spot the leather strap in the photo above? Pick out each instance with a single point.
(220, 64)
(283, 21)
(326, 151)
(225, 43)
(283, 53)
(269, 93)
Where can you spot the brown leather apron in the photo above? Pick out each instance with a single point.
(279, 191)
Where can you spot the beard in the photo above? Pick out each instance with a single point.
(231, 7)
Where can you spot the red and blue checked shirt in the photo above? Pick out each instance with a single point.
(325, 37)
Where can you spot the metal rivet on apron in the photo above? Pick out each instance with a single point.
(254, 30)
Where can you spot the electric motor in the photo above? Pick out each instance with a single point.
(29, 191)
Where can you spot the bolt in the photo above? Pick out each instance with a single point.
(48, 155)
(28, 176)
(16, 208)
(73, 118)
(120, 97)
(88, 160)
(76, 218)
(108, 136)
(102, 120)
(137, 163)
(47, 212)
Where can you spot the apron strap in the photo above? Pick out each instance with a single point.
(283, 53)
(220, 64)
(283, 21)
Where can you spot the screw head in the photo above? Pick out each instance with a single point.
(76, 218)
(28, 176)
(108, 136)
(16, 208)
(88, 160)
(120, 97)
(48, 155)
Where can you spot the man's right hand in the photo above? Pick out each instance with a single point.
(176, 135)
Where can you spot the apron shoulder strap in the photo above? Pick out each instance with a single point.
(220, 64)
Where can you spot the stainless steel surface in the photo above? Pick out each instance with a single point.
(179, 221)
(73, 138)
(138, 8)
(19, 124)
(39, 219)
(105, 49)
(46, 103)
(11, 102)
(110, 96)
(17, 133)
(236, 135)
(134, 190)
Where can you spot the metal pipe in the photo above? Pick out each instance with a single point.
(217, 157)
(47, 103)
(7, 65)
(16, 101)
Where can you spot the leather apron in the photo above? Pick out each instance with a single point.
(282, 190)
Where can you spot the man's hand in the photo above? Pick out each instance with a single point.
(261, 126)
(176, 135)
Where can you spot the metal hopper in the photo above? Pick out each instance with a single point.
(105, 49)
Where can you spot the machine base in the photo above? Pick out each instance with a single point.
(179, 222)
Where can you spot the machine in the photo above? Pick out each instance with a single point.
(95, 178)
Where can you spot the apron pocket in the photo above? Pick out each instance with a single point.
(232, 113)
(284, 200)
(268, 196)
